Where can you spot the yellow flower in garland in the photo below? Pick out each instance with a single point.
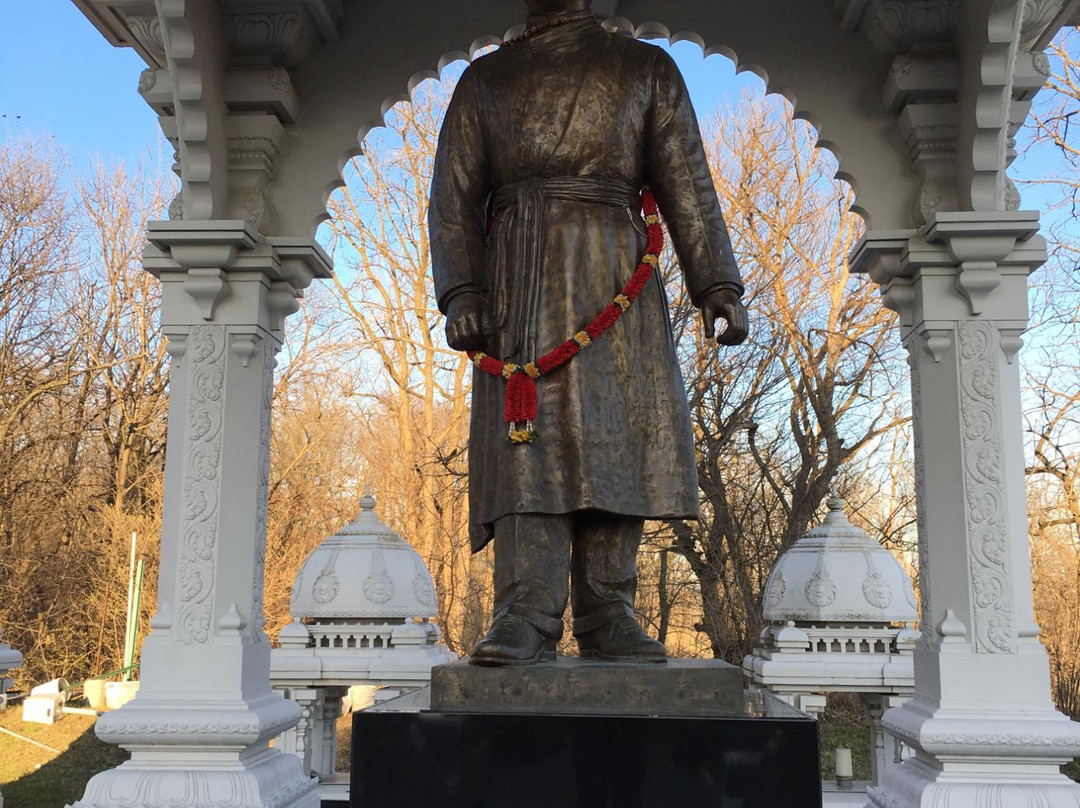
(526, 435)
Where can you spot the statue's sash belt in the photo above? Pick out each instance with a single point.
(518, 241)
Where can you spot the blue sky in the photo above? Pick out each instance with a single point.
(94, 109)
(58, 75)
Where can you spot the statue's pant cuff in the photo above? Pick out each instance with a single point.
(550, 627)
(606, 614)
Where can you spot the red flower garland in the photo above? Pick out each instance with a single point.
(521, 404)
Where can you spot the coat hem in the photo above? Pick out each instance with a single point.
(482, 533)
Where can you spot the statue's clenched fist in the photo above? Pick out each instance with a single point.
(468, 323)
(725, 304)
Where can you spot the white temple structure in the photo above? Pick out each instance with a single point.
(9, 660)
(266, 100)
(839, 607)
(362, 603)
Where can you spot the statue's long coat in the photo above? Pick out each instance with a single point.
(614, 428)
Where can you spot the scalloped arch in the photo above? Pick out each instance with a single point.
(657, 30)
(839, 97)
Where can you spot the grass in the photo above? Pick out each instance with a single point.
(1072, 770)
(32, 777)
(344, 743)
(840, 729)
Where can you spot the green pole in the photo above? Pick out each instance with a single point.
(133, 623)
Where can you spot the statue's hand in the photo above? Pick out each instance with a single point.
(468, 323)
(725, 304)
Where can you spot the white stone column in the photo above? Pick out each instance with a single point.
(324, 733)
(883, 746)
(298, 740)
(981, 722)
(199, 730)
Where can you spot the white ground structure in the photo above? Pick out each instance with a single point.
(9, 660)
(265, 100)
(839, 607)
(362, 604)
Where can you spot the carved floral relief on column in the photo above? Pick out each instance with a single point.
(205, 355)
(984, 488)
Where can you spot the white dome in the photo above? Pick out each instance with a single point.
(365, 571)
(836, 573)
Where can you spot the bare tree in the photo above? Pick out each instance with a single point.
(83, 396)
(416, 389)
(1053, 127)
(817, 385)
(1051, 392)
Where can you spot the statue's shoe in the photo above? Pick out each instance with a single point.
(513, 640)
(621, 640)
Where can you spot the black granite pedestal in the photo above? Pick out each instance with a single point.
(753, 752)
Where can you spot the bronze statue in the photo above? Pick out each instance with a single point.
(535, 227)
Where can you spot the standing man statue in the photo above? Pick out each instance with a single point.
(535, 228)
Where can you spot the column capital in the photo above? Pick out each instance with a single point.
(212, 261)
(955, 266)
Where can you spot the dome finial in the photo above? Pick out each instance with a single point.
(367, 502)
(835, 502)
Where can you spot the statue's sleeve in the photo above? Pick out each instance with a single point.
(680, 178)
(457, 210)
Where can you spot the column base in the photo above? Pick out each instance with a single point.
(989, 759)
(206, 754)
(268, 779)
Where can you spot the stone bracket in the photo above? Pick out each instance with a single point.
(937, 342)
(196, 51)
(1011, 343)
(207, 288)
(244, 345)
(979, 245)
